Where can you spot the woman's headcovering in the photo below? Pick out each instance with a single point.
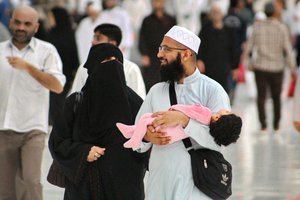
(99, 53)
(105, 95)
(62, 18)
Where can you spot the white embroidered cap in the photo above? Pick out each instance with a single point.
(185, 37)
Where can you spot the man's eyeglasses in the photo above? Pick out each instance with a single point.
(169, 49)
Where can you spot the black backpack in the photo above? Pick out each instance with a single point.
(212, 174)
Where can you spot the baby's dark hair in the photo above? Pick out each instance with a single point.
(226, 130)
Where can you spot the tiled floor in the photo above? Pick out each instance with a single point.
(266, 166)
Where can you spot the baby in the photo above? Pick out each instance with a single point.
(225, 127)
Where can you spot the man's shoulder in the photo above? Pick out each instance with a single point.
(161, 84)
(149, 18)
(204, 79)
(283, 27)
(159, 87)
(209, 83)
(42, 44)
(232, 20)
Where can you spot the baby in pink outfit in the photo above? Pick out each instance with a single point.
(136, 133)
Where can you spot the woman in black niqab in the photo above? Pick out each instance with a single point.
(105, 100)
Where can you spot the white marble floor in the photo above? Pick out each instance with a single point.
(266, 166)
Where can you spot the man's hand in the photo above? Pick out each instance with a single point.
(17, 62)
(45, 79)
(155, 137)
(169, 118)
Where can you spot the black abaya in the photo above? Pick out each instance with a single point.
(118, 174)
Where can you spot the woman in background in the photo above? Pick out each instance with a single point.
(61, 35)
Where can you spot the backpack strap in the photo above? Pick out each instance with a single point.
(173, 100)
(172, 94)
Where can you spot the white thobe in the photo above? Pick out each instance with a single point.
(187, 13)
(170, 174)
(24, 102)
(84, 36)
(120, 17)
(137, 10)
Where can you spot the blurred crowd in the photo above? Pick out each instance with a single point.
(258, 36)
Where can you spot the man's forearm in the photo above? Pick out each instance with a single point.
(47, 80)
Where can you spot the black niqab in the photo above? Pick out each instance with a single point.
(99, 53)
(105, 99)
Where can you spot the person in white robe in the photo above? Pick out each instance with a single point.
(170, 173)
(110, 33)
(114, 14)
(137, 10)
(187, 13)
(84, 31)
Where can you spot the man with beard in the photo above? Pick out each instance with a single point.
(170, 173)
(29, 68)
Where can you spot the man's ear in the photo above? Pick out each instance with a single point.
(37, 27)
(187, 54)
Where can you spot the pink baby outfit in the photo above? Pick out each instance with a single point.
(137, 132)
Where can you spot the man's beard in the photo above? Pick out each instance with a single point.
(22, 39)
(172, 71)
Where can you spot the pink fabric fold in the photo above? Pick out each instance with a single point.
(197, 112)
(137, 132)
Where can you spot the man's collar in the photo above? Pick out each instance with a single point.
(31, 45)
(191, 78)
